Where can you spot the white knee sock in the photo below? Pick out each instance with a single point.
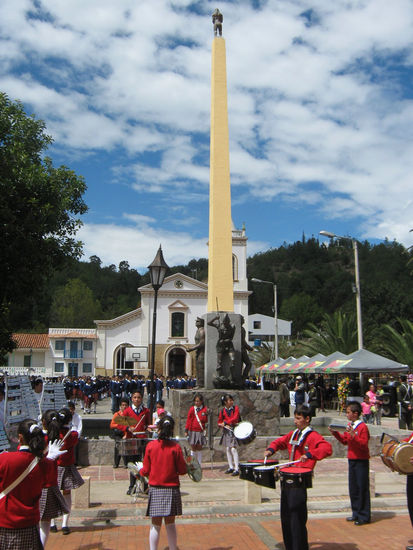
(236, 459)
(229, 457)
(171, 534)
(154, 537)
(65, 519)
(52, 523)
(199, 457)
(192, 452)
(44, 531)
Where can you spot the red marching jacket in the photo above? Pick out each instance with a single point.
(231, 417)
(314, 446)
(357, 446)
(67, 459)
(192, 424)
(143, 420)
(163, 463)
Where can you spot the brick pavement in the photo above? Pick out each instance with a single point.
(389, 531)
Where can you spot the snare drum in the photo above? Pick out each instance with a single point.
(396, 456)
(265, 476)
(131, 447)
(296, 477)
(245, 432)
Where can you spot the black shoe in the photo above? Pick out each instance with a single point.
(235, 473)
(361, 522)
(116, 466)
(409, 547)
(350, 518)
(65, 530)
(229, 471)
(53, 529)
(129, 491)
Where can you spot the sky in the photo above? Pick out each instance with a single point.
(320, 109)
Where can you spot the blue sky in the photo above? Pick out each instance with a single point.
(320, 116)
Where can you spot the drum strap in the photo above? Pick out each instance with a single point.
(18, 480)
(197, 417)
(297, 438)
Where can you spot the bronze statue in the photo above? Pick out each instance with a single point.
(225, 346)
(245, 348)
(200, 352)
(217, 20)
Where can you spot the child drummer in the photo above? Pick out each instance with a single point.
(307, 446)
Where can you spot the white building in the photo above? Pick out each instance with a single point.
(262, 327)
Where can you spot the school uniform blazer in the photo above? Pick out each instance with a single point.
(163, 463)
(357, 446)
(20, 507)
(192, 424)
(67, 459)
(231, 417)
(144, 419)
(314, 446)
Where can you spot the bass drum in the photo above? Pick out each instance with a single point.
(396, 456)
(245, 432)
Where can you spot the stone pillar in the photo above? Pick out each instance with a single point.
(81, 495)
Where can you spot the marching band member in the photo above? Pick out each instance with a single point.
(409, 489)
(52, 503)
(195, 428)
(228, 418)
(19, 502)
(163, 464)
(308, 446)
(68, 477)
(119, 432)
(356, 437)
(143, 419)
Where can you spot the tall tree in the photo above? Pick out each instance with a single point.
(39, 209)
(397, 342)
(337, 332)
(74, 306)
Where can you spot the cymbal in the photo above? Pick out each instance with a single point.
(125, 420)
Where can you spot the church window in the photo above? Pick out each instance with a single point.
(177, 324)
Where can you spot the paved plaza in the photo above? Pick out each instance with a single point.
(217, 515)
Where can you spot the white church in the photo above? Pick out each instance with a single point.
(123, 344)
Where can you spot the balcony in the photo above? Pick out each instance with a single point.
(73, 354)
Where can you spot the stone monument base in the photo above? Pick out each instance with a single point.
(261, 408)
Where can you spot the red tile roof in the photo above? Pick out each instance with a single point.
(33, 341)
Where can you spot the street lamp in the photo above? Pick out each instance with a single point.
(275, 350)
(357, 280)
(157, 271)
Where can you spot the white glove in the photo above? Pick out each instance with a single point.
(54, 449)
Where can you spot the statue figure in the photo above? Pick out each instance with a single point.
(225, 346)
(217, 19)
(200, 352)
(245, 348)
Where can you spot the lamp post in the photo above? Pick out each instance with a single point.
(275, 350)
(157, 271)
(357, 280)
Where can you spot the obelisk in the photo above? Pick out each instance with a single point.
(222, 326)
(220, 279)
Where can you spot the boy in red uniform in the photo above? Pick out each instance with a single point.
(356, 437)
(409, 490)
(307, 446)
(143, 418)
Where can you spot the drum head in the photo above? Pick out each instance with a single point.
(296, 470)
(243, 430)
(401, 458)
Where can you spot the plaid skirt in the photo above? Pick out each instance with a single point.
(68, 478)
(164, 501)
(52, 504)
(20, 539)
(228, 439)
(196, 438)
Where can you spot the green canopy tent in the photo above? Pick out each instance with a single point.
(360, 362)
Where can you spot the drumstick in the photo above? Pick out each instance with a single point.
(286, 463)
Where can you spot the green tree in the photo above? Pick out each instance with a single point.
(301, 309)
(337, 332)
(397, 342)
(39, 209)
(74, 306)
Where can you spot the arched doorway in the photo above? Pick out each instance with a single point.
(176, 361)
(120, 365)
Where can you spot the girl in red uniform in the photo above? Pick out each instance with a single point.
(195, 428)
(228, 418)
(68, 477)
(52, 503)
(19, 508)
(163, 464)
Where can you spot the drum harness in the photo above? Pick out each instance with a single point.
(297, 438)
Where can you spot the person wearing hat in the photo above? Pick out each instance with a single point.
(299, 391)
